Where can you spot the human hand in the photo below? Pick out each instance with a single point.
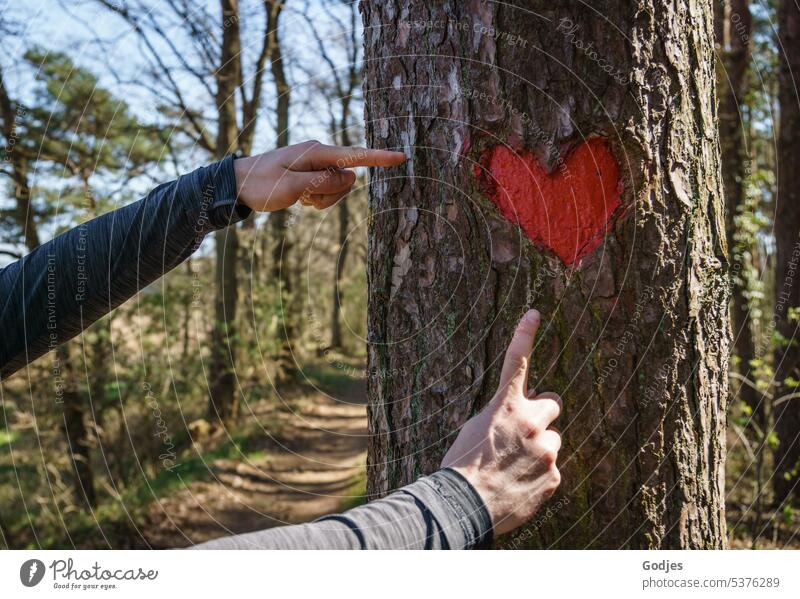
(507, 452)
(314, 173)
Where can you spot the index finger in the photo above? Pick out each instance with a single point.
(320, 156)
(515, 365)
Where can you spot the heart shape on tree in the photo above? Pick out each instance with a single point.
(567, 211)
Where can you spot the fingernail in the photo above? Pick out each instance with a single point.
(532, 316)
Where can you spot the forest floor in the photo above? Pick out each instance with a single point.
(309, 461)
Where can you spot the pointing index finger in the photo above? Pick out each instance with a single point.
(515, 366)
(351, 157)
(321, 156)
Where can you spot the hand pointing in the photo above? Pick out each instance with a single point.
(316, 174)
(508, 452)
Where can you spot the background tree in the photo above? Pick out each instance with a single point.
(748, 113)
(733, 30)
(787, 242)
(176, 77)
(23, 214)
(340, 91)
(635, 328)
(282, 240)
(223, 394)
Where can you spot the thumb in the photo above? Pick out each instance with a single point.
(515, 366)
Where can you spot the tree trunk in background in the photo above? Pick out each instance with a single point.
(223, 393)
(343, 88)
(279, 221)
(19, 168)
(346, 86)
(635, 332)
(75, 430)
(787, 263)
(344, 229)
(733, 30)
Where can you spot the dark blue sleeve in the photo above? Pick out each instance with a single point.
(66, 284)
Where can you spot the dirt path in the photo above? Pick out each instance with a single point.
(310, 467)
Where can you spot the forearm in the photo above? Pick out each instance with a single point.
(441, 511)
(66, 284)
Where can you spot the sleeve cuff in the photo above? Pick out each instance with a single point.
(209, 197)
(225, 209)
(466, 504)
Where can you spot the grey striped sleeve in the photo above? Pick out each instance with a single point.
(441, 511)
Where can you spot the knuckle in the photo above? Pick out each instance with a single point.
(555, 401)
(517, 362)
(555, 478)
(531, 429)
(549, 457)
(310, 143)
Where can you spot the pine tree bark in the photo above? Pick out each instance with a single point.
(787, 262)
(635, 334)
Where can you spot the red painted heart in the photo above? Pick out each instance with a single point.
(567, 211)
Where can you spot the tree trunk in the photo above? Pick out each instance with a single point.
(787, 241)
(733, 30)
(283, 244)
(75, 430)
(23, 212)
(344, 229)
(223, 394)
(621, 247)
